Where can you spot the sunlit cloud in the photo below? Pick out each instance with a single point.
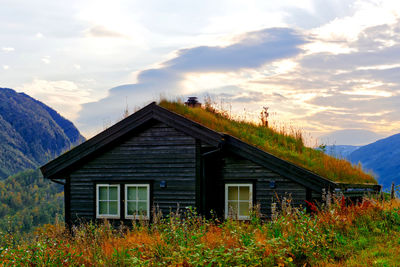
(46, 60)
(8, 49)
(64, 96)
(213, 63)
(319, 65)
(103, 32)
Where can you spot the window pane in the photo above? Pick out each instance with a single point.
(113, 193)
(142, 193)
(232, 193)
(142, 208)
(244, 193)
(131, 193)
(113, 207)
(102, 207)
(244, 209)
(131, 208)
(232, 208)
(103, 193)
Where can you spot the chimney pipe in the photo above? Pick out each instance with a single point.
(192, 102)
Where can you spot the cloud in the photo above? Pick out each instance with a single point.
(8, 49)
(357, 89)
(103, 32)
(64, 96)
(6, 67)
(250, 51)
(348, 62)
(46, 60)
(346, 137)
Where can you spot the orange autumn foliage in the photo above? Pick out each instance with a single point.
(141, 240)
(217, 237)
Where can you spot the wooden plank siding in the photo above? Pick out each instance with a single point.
(155, 144)
(157, 153)
(239, 169)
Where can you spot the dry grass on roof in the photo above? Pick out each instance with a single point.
(285, 145)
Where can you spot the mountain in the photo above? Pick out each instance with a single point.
(340, 151)
(31, 133)
(382, 157)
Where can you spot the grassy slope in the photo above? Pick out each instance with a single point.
(288, 146)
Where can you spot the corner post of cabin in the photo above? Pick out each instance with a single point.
(308, 198)
(199, 179)
(67, 203)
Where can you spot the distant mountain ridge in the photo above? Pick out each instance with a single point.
(382, 157)
(31, 133)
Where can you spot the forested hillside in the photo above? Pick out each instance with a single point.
(31, 133)
(28, 200)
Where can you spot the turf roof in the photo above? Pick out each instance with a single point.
(287, 146)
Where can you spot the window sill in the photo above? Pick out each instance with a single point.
(146, 218)
(107, 217)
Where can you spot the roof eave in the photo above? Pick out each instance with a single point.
(282, 167)
(62, 165)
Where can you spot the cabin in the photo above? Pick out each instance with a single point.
(156, 158)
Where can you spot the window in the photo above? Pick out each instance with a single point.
(238, 201)
(137, 204)
(107, 200)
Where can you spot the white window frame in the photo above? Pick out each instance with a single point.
(137, 216)
(250, 200)
(108, 216)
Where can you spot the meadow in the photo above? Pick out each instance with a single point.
(334, 234)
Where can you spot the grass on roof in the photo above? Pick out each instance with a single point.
(285, 145)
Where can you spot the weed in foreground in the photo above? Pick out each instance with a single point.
(338, 235)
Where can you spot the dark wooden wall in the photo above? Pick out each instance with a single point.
(238, 169)
(157, 153)
(161, 153)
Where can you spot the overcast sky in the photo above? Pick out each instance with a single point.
(322, 66)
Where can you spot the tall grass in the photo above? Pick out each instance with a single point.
(334, 235)
(284, 143)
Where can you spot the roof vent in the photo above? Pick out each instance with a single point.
(192, 102)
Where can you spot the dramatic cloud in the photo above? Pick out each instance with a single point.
(251, 50)
(318, 65)
(358, 89)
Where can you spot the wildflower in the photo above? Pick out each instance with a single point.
(311, 206)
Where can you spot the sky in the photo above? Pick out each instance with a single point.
(328, 68)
